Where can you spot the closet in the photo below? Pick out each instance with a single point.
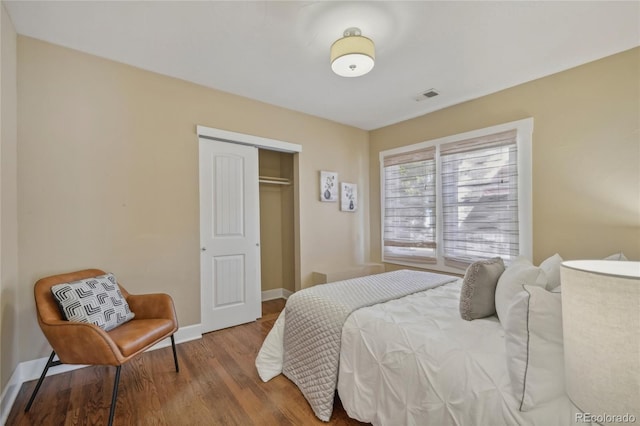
(247, 182)
(277, 256)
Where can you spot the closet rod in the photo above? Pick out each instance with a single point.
(274, 180)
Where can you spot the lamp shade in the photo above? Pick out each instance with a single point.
(601, 328)
(353, 55)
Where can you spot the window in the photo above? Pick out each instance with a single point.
(451, 201)
(410, 206)
(479, 199)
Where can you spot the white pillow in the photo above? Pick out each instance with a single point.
(535, 353)
(520, 272)
(551, 267)
(617, 256)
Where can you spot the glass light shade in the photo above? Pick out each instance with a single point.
(352, 56)
(601, 328)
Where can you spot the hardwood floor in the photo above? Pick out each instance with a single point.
(217, 385)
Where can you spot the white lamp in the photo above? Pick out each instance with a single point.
(601, 327)
(353, 55)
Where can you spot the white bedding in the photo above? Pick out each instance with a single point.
(414, 361)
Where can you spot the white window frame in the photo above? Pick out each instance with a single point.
(524, 139)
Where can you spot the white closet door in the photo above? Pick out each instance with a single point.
(229, 235)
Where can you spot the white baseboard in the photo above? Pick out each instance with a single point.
(183, 335)
(276, 293)
(31, 370)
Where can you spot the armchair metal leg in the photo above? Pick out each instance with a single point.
(50, 363)
(115, 395)
(175, 355)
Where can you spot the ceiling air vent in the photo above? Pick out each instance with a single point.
(426, 95)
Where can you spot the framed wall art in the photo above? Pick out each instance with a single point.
(328, 186)
(348, 197)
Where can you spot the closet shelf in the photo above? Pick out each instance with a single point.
(274, 180)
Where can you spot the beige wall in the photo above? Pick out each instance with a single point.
(8, 202)
(108, 176)
(586, 154)
(331, 239)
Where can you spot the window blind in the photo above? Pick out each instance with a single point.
(480, 199)
(410, 206)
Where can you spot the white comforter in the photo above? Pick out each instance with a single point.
(314, 321)
(414, 361)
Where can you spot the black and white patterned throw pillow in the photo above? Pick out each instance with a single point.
(95, 300)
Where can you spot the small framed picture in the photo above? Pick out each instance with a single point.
(348, 197)
(328, 186)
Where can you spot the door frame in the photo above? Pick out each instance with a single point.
(244, 139)
(210, 133)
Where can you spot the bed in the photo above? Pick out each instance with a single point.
(412, 360)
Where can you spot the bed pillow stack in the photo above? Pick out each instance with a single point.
(477, 296)
(529, 306)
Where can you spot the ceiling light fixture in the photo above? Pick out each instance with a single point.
(353, 55)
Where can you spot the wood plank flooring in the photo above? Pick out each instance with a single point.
(217, 385)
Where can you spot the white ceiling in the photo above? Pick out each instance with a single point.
(278, 52)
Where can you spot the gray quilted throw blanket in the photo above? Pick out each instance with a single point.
(313, 327)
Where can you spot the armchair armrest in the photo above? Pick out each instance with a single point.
(81, 343)
(153, 306)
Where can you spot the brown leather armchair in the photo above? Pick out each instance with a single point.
(82, 343)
